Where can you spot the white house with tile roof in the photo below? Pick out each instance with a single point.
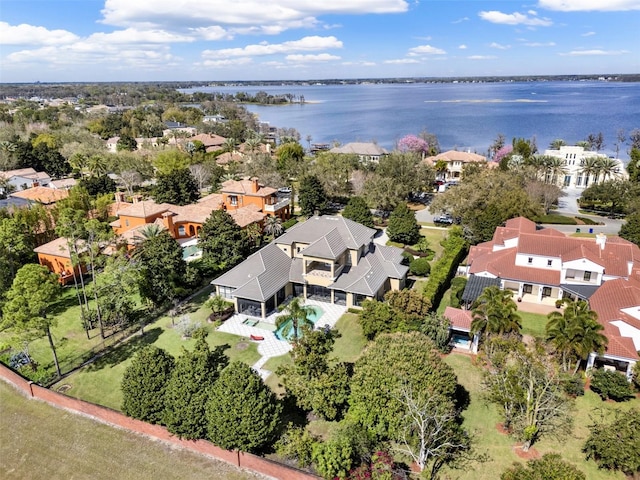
(574, 160)
(544, 265)
(366, 151)
(327, 258)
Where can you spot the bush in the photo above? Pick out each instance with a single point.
(420, 267)
(458, 285)
(613, 385)
(556, 219)
(573, 385)
(296, 443)
(187, 327)
(290, 223)
(549, 467)
(588, 221)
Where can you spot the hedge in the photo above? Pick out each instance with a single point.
(455, 249)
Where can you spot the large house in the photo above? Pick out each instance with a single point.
(544, 265)
(56, 256)
(238, 194)
(329, 258)
(454, 161)
(366, 152)
(577, 172)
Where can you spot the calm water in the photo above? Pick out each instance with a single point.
(463, 116)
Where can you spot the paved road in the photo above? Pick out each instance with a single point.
(567, 205)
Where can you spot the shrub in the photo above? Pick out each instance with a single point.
(420, 267)
(290, 223)
(573, 385)
(613, 385)
(296, 443)
(549, 467)
(458, 285)
(187, 327)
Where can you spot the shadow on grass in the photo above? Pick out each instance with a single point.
(119, 353)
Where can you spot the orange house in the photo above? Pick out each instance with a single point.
(56, 256)
(238, 194)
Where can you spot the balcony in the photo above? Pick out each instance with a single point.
(272, 208)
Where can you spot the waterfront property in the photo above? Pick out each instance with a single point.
(454, 160)
(327, 258)
(366, 152)
(583, 167)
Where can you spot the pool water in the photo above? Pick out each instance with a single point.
(189, 251)
(314, 316)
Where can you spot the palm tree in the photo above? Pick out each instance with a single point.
(575, 333)
(495, 313)
(273, 226)
(591, 167)
(295, 318)
(555, 169)
(557, 143)
(608, 167)
(441, 167)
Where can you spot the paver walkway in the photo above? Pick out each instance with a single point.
(272, 346)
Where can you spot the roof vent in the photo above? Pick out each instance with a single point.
(601, 239)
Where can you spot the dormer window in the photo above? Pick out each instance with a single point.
(549, 262)
(530, 260)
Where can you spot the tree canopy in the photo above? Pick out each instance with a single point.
(312, 197)
(178, 187)
(403, 226)
(358, 211)
(242, 412)
(224, 244)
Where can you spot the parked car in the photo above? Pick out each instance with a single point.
(443, 218)
(284, 190)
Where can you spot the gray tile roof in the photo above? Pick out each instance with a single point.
(353, 234)
(330, 246)
(475, 285)
(260, 276)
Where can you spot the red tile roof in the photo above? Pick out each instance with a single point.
(460, 319)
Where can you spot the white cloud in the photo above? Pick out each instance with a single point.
(589, 5)
(499, 46)
(460, 20)
(539, 44)
(594, 52)
(482, 57)
(321, 57)
(401, 61)
(361, 63)
(231, 62)
(515, 18)
(257, 13)
(24, 34)
(588, 34)
(212, 33)
(426, 50)
(462, 47)
(132, 36)
(264, 48)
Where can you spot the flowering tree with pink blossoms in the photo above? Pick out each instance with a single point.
(503, 152)
(411, 143)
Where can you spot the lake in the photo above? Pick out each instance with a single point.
(464, 116)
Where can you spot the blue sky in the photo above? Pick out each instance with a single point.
(144, 40)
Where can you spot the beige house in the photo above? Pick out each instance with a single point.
(455, 160)
(326, 258)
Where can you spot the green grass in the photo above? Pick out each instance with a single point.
(351, 342)
(588, 221)
(273, 380)
(480, 418)
(556, 219)
(434, 236)
(40, 442)
(533, 324)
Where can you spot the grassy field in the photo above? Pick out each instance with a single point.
(40, 442)
(481, 419)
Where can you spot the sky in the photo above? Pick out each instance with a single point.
(226, 40)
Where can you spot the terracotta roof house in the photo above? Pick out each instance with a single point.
(25, 178)
(544, 265)
(211, 141)
(368, 152)
(55, 255)
(455, 161)
(44, 195)
(327, 258)
(237, 194)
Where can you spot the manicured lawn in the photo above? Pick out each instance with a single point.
(40, 442)
(99, 382)
(274, 380)
(434, 236)
(533, 324)
(480, 418)
(351, 342)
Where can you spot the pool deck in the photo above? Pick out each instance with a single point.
(271, 346)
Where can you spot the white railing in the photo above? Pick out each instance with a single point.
(277, 206)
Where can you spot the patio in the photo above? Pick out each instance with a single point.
(245, 326)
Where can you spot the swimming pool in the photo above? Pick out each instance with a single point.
(191, 251)
(314, 316)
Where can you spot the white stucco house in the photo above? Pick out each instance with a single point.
(575, 160)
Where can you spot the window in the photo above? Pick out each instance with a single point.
(226, 292)
(587, 276)
(233, 200)
(571, 273)
(181, 230)
(126, 222)
(549, 262)
(530, 260)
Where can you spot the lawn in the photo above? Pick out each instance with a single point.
(39, 442)
(533, 324)
(434, 236)
(480, 418)
(99, 382)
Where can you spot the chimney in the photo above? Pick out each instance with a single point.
(255, 186)
(167, 221)
(137, 198)
(35, 184)
(120, 197)
(601, 239)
